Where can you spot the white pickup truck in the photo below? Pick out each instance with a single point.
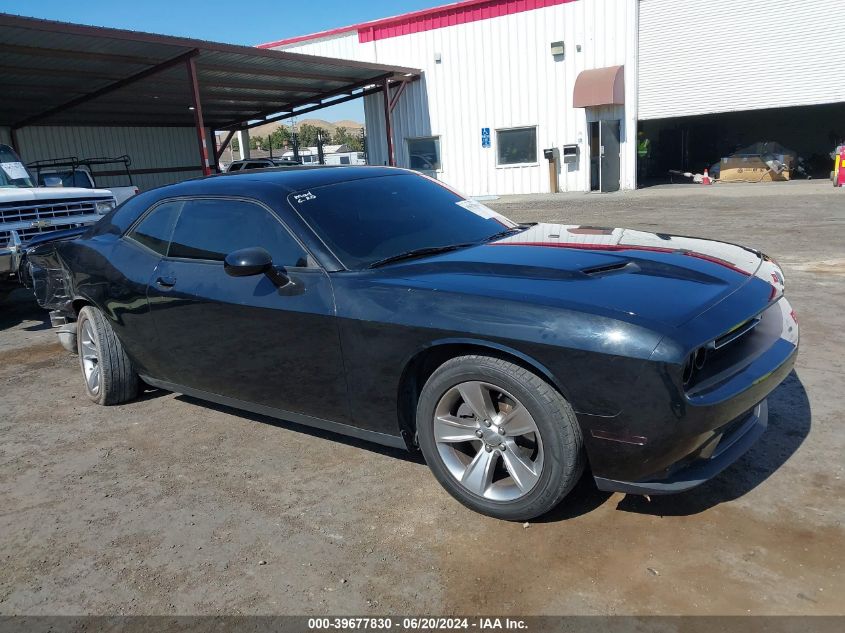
(27, 211)
(75, 172)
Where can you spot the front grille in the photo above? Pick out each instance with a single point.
(736, 333)
(61, 214)
(26, 234)
(47, 210)
(735, 349)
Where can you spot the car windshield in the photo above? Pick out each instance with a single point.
(12, 171)
(70, 178)
(374, 219)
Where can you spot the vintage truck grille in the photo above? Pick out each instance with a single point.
(44, 210)
(27, 234)
(29, 220)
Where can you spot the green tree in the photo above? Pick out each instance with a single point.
(257, 142)
(280, 137)
(342, 136)
(308, 135)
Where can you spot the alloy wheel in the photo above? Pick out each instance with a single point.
(488, 441)
(90, 357)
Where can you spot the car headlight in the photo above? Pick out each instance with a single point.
(695, 362)
(104, 206)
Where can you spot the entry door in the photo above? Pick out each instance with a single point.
(595, 157)
(609, 155)
(243, 337)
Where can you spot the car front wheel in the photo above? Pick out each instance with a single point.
(499, 438)
(107, 370)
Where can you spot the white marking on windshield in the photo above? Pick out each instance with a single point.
(15, 171)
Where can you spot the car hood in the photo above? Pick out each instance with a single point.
(34, 194)
(636, 274)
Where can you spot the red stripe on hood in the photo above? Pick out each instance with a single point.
(627, 247)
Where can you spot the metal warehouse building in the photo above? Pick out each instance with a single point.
(505, 80)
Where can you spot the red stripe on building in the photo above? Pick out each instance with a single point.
(427, 20)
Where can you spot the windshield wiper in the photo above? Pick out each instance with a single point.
(506, 232)
(419, 252)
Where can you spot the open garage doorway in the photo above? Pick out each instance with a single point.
(693, 143)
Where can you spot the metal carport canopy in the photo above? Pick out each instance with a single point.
(56, 73)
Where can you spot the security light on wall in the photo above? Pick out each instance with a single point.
(437, 58)
(557, 49)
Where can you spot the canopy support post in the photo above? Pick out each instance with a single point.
(388, 123)
(198, 121)
(219, 151)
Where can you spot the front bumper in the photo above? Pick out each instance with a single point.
(712, 459)
(10, 255)
(666, 442)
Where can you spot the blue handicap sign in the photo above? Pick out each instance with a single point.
(485, 137)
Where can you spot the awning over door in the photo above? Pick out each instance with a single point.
(600, 86)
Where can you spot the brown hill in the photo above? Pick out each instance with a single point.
(269, 128)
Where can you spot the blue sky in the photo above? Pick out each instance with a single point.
(261, 21)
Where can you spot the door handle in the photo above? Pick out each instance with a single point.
(166, 282)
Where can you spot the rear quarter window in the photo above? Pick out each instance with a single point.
(119, 220)
(155, 230)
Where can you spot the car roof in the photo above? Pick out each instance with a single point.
(297, 177)
(268, 181)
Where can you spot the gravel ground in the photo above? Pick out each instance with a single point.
(168, 505)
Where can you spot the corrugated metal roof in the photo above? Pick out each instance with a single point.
(46, 65)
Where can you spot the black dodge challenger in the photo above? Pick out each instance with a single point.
(379, 303)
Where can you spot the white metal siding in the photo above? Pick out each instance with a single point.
(725, 55)
(149, 148)
(500, 73)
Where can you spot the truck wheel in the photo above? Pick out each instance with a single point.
(107, 370)
(499, 438)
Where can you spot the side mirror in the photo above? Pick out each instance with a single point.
(248, 262)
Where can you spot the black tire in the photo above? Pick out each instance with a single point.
(560, 434)
(118, 381)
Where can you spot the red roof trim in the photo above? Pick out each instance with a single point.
(427, 20)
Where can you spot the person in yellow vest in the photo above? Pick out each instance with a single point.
(643, 156)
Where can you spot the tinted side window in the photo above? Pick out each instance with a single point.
(235, 166)
(154, 231)
(210, 229)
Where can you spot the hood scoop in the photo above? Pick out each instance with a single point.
(605, 269)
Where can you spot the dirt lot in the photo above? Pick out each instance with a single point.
(168, 505)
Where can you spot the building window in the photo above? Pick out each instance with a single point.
(424, 153)
(516, 146)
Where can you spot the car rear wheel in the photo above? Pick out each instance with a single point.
(499, 438)
(107, 370)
